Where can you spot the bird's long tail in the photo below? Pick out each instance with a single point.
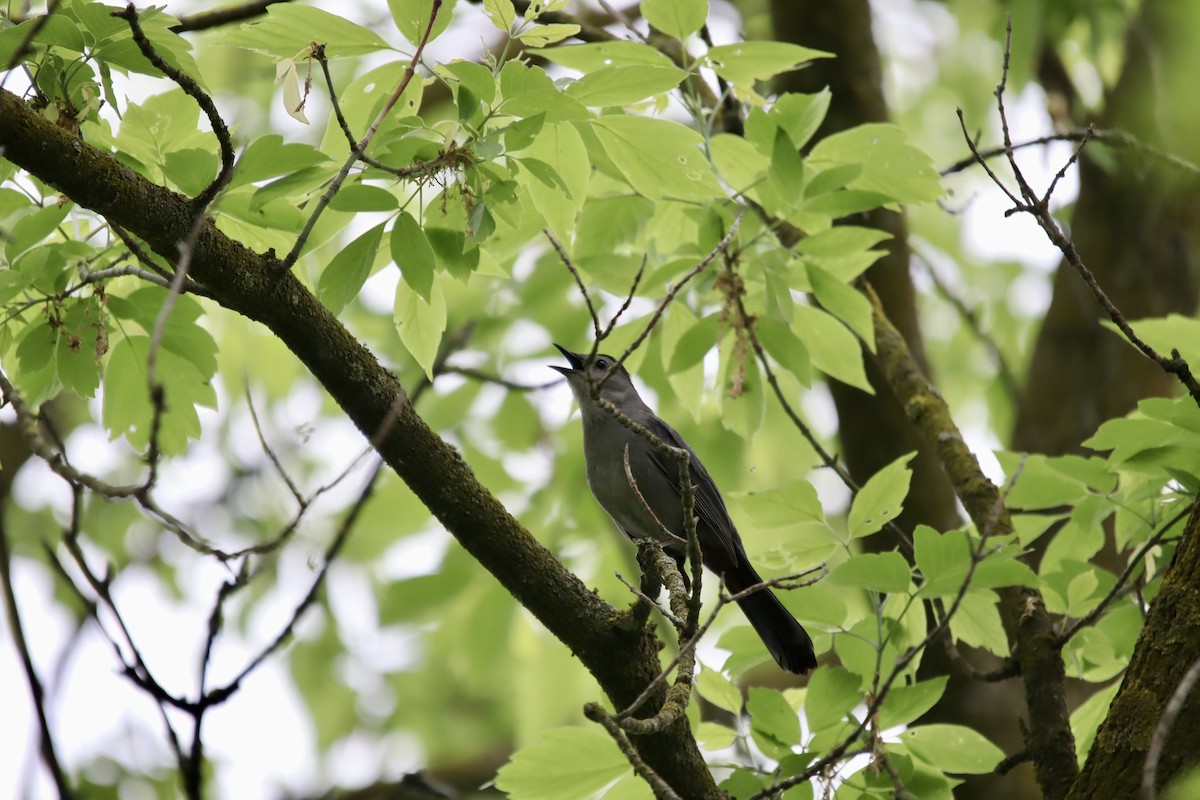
(785, 638)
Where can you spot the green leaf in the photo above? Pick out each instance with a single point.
(743, 783)
(978, 622)
(832, 694)
(891, 166)
(420, 323)
(1165, 334)
(36, 351)
(696, 343)
(563, 764)
(844, 302)
(364, 197)
(771, 715)
(542, 35)
(833, 349)
(528, 92)
(880, 572)
(678, 18)
(560, 189)
(840, 241)
(600, 55)
(1038, 484)
(127, 408)
(33, 228)
(412, 17)
(942, 558)
(56, 30)
(268, 156)
(287, 29)
(746, 62)
(1002, 569)
(1086, 719)
(117, 48)
(182, 335)
(792, 503)
(501, 13)
(787, 170)
(413, 255)
(191, 169)
(881, 499)
(658, 158)
(786, 348)
(738, 161)
(620, 86)
(904, 704)
(477, 77)
(800, 114)
(348, 271)
(714, 736)
(830, 180)
(82, 344)
(953, 748)
(716, 689)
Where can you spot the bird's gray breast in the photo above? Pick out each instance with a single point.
(605, 442)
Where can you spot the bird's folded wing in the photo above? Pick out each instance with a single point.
(710, 508)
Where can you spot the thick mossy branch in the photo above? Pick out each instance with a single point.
(623, 662)
(1030, 632)
(1168, 646)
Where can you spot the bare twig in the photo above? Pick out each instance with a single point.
(720, 248)
(1011, 386)
(49, 752)
(220, 695)
(275, 462)
(662, 790)
(1111, 136)
(587, 297)
(1030, 202)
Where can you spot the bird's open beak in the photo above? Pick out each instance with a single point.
(574, 359)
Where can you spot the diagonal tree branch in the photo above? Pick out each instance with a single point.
(1029, 627)
(622, 661)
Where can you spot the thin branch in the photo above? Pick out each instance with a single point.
(318, 52)
(720, 248)
(222, 16)
(221, 695)
(49, 753)
(1110, 136)
(633, 287)
(27, 423)
(266, 447)
(483, 377)
(587, 297)
(1007, 377)
(787, 582)
(1038, 207)
(1135, 561)
(26, 42)
(662, 790)
(193, 90)
(357, 151)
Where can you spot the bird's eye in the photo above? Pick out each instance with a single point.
(602, 363)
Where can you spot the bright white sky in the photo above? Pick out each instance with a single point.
(261, 741)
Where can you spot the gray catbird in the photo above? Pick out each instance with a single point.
(656, 476)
